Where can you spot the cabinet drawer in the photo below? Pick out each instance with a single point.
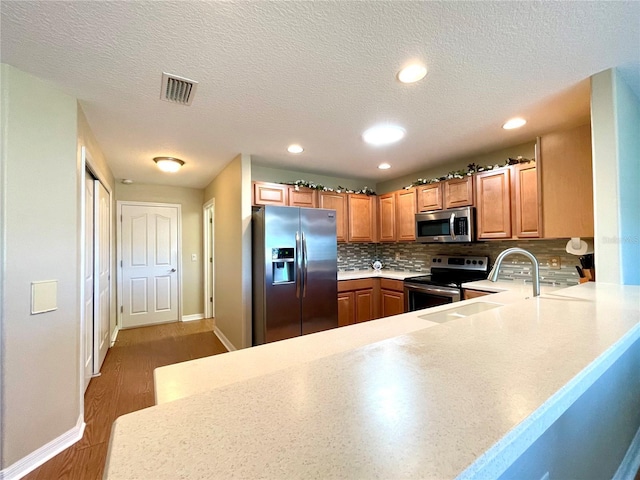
(351, 285)
(389, 284)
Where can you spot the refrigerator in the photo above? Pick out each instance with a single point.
(295, 272)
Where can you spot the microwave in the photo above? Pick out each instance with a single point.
(456, 225)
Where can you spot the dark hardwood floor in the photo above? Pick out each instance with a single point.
(126, 385)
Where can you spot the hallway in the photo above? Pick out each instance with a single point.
(126, 385)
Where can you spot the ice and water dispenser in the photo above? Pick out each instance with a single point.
(283, 265)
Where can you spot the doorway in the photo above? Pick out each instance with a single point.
(96, 270)
(149, 254)
(208, 229)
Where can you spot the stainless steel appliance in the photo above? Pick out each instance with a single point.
(444, 284)
(295, 272)
(446, 226)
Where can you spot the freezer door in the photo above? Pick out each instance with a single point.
(282, 286)
(320, 270)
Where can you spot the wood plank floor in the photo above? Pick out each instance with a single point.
(126, 385)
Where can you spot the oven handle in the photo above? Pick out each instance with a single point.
(422, 288)
(452, 226)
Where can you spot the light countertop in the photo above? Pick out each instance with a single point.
(399, 407)
(393, 274)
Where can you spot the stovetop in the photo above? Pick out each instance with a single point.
(448, 271)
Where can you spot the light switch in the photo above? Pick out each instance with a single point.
(44, 296)
(194, 257)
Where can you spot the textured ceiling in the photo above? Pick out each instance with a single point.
(318, 74)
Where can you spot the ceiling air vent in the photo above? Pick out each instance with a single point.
(177, 89)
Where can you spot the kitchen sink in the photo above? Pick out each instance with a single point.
(459, 312)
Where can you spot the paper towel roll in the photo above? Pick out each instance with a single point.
(577, 246)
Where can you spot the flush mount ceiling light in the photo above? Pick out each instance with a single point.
(127, 181)
(384, 166)
(295, 149)
(168, 164)
(383, 135)
(514, 123)
(412, 73)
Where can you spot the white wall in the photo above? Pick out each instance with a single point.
(615, 116)
(268, 174)
(231, 190)
(40, 368)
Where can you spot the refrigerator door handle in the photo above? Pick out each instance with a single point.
(298, 265)
(305, 261)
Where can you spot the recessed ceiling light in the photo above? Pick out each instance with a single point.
(383, 135)
(514, 123)
(412, 73)
(384, 166)
(168, 164)
(295, 149)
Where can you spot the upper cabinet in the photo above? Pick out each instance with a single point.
(387, 217)
(493, 204)
(526, 203)
(567, 183)
(406, 208)
(338, 202)
(362, 218)
(270, 194)
(458, 192)
(303, 197)
(430, 197)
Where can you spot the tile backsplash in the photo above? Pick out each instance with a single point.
(415, 257)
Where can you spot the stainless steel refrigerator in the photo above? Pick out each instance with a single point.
(295, 272)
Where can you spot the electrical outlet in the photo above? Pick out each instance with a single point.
(554, 263)
(194, 257)
(397, 255)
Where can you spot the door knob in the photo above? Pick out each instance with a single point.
(173, 270)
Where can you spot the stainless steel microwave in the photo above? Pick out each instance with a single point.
(456, 225)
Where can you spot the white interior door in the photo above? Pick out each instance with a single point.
(103, 275)
(149, 236)
(88, 277)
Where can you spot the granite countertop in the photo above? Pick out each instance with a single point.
(393, 408)
(393, 274)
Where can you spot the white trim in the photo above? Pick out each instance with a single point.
(190, 318)
(208, 218)
(225, 341)
(32, 461)
(114, 335)
(631, 461)
(120, 203)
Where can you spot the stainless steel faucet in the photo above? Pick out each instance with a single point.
(493, 274)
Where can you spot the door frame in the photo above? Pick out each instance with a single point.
(120, 203)
(87, 164)
(208, 243)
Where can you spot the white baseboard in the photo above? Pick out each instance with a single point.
(225, 341)
(190, 318)
(44, 453)
(114, 336)
(631, 461)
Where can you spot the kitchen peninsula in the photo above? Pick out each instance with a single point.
(470, 398)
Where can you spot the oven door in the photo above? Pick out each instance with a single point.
(420, 296)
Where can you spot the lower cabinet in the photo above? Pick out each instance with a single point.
(369, 298)
(468, 293)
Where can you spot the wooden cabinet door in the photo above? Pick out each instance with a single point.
(526, 206)
(364, 301)
(566, 178)
(392, 302)
(467, 294)
(362, 218)
(493, 204)
(458, 192)
(430, 197)
(406, 215)
(346, 309)
(387, 217)
(303, 197)
(270, 194)
(338, 202)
